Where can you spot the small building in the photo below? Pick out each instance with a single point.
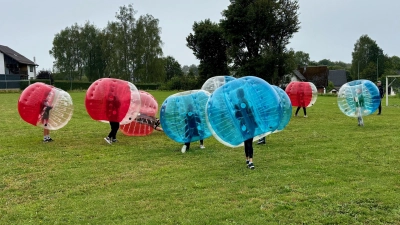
(338, 78)
(13, 63)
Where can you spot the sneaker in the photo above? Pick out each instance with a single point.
(114, 140)
(108, 140)
(183, 150)
(295, 114)
(261, 141)
(305, 116)
(47, 140)
(251, 166)
(247, 162)
(202, 147)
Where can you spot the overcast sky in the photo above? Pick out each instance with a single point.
(329, 28)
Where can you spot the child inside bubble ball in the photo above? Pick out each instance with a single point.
(245, 115)
(44, 117)
(359, 100)
(192, 128)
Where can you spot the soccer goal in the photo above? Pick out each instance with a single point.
(388, 85)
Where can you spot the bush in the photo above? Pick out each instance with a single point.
(180, 83)
(147, 86)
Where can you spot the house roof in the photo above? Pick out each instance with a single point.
(318, 75)
(299, 75)
(15, 55)
(338, 77)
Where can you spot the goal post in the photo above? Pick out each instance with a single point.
(387, 87)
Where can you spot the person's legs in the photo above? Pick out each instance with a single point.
(114, 130)
(305, 111)
(380, 107)
(185, 147)
(46, 135)
(113, 133)
(297, 110)
(248, 149)
(202, 144)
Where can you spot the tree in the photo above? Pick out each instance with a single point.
(45, 75)
(392, 65)
(64, 51)
(128, 49)
(209, 46)
(185, 69)
(257, 28)
(367, 59)
(330, 86)
(92, 57)
(148, 61)
(172, 68)
(302, 58)
(194, 70)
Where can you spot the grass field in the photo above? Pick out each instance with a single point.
(323, 169)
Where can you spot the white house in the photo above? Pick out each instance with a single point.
(13, 63)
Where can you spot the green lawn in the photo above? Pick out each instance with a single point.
(323, 169)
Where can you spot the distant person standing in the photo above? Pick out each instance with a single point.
(381, 94)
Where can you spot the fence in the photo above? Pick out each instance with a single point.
(10, 81)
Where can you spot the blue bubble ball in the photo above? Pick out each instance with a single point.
(241, 109)
(286, 106)
(183, 118)
(362, 94)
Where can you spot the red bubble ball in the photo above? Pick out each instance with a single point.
(114, 100)
(301, 94)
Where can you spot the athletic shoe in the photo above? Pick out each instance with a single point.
(114, 140)
(47, 140)
(202, 147)
(108, 140)
(183, 150)
(261, 141)
(247, 162)
(250, 166)
(305, 116)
